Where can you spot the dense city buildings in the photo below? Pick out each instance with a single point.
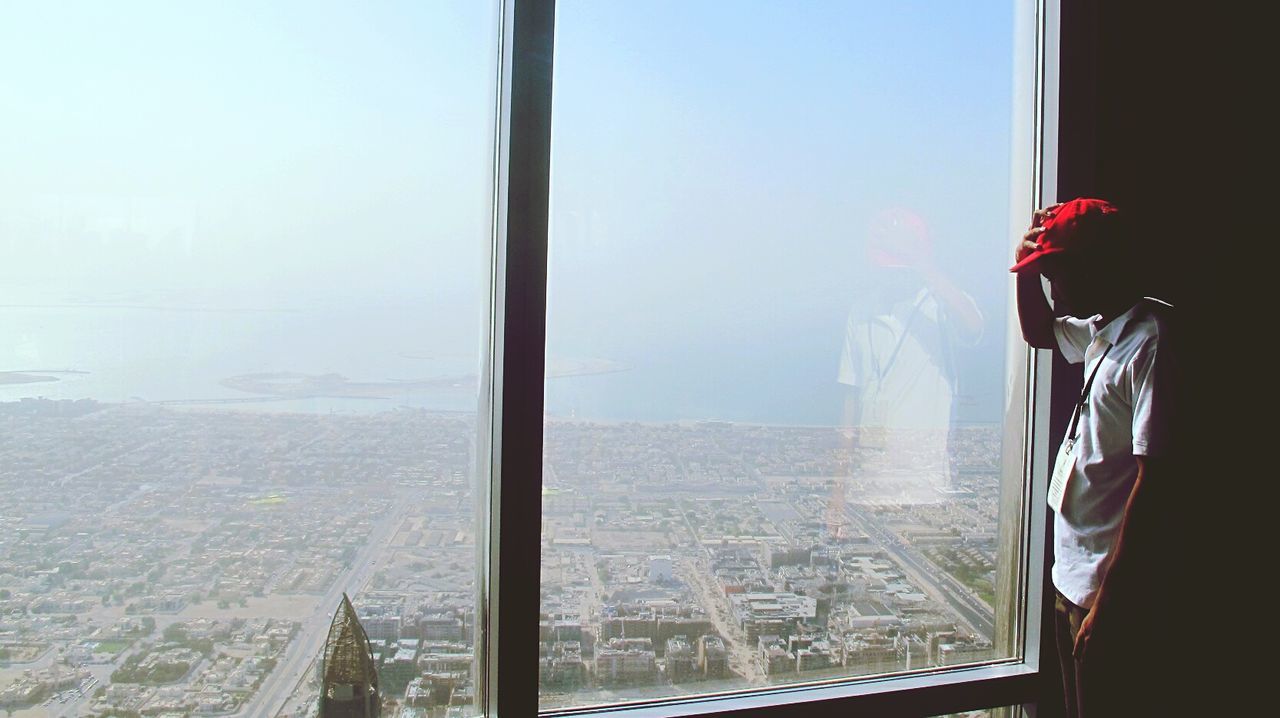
(706, 551)
(187, 561)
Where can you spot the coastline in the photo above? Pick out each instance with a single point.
(18, 377)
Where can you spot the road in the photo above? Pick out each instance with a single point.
(306, 645)
(941, 585)
(740, 655)
(717, 607)
(593, 601)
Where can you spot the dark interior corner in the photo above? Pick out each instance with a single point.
(1148, 121)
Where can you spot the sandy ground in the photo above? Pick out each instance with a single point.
(33, 712)
(292, 607)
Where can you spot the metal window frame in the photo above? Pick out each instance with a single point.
(508, 681)
(509, 684)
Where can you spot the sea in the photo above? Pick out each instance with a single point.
(421, 357)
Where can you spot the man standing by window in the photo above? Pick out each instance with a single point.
(1101, 490)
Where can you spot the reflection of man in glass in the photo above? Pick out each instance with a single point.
(898, 363)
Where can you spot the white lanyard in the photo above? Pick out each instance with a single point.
(1066, 461)
(1072, 434)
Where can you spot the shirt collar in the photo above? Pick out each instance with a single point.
(1114, 329)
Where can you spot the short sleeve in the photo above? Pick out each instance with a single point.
(1073, 337)
(1152, 394)
(853, 357)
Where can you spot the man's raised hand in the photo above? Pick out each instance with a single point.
(1029, 240)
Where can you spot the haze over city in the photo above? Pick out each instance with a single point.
(243, 300)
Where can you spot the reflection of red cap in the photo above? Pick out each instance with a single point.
(898, 238)
(1072, 226)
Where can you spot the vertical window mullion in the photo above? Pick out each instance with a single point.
(518, 358)
(1039, 639)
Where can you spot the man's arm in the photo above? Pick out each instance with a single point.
(1035, 316)
(851, 425)
(1135, 522)
(851, 417)
(958, 304)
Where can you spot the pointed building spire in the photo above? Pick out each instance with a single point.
(350, 677)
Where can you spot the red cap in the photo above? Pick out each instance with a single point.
(1072, 226)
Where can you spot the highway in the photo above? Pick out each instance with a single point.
(291, 669)
(971, 610)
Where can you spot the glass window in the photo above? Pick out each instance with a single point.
(778, 345)
(248, 315)
(244, 289)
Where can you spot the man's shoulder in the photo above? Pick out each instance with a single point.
(1154, 322)
(1158, 309)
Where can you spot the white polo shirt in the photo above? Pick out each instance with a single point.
(1125, 414)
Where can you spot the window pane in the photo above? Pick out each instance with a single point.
(777, 382)
(246, 262)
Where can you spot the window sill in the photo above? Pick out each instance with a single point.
(922, 694)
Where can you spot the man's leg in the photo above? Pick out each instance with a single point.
(1066, 624)
(1111, 680)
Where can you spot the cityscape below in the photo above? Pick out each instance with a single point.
(253, 296)
(187, 561)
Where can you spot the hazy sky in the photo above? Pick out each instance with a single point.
(241, 146)
(715, 164)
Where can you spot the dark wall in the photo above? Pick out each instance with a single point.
(1147, 122)
(1140, 116)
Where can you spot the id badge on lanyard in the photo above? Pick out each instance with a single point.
(1064, 465)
